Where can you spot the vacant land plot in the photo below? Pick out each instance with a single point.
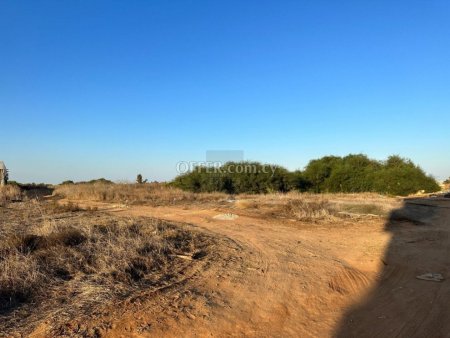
(62, 264)
(290, 265)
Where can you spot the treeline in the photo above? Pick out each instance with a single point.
(352, 173)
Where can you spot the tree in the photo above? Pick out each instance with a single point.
(139, 179)
(319, 170)
(236, 178)
(299, 182)
(99, 181)
(352, 173)
(400, 176)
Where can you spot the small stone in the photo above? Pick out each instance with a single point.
(432, 277)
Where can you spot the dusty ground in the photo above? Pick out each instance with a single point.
(291, 279)
(275, 277)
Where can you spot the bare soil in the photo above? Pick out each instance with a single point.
(280, 277)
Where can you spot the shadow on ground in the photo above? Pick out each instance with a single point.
(401, 305)
(37, 191)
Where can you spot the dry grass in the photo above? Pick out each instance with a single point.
(44, 255)
(302, 207)
(317, 207)
(150, 194)
(163, 194)
(310, 211)
(364, 209)
(10, 193)
(55, 207)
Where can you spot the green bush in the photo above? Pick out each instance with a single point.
(298, 181)
(318, 171)
(402, 177)
(236, 178)
(352, 173)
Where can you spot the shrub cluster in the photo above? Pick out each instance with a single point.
(236, 178)
(352, 173)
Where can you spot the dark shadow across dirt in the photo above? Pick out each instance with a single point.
(401, 305)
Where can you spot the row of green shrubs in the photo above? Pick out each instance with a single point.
(352, 173)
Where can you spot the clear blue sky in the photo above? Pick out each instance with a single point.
(114, 88)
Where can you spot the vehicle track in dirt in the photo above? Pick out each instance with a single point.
(291, 279)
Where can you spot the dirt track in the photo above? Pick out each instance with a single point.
(290, 279)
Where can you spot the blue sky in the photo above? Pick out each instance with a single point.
(114, 88)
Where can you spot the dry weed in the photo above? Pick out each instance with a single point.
(150, 194)
(10, 193)
(45, 255)
(317, 207)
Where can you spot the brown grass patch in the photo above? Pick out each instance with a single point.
(317, 207)
(302, 207)
(364, 209)
(56, 207)
(10, 193)
(85, 259)
(149, 194)
(304, 210)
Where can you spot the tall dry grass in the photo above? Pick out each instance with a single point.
(318, 207)
(152, 193)
(301, 206)
(10, 193)
(44, 256)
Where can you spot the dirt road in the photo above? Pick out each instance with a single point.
(291, 279)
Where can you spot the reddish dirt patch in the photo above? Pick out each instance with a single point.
(284, 278)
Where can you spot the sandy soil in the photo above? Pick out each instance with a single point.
(283, 278)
